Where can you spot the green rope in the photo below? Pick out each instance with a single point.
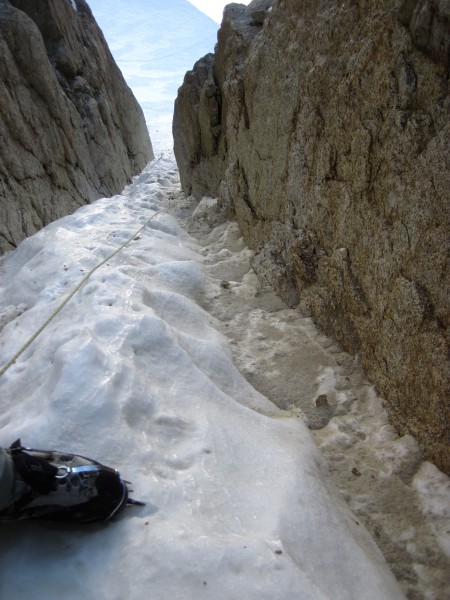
(12, 360)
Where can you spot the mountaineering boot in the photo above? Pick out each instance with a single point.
(56, 486)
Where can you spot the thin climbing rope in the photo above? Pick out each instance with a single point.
(12, 360)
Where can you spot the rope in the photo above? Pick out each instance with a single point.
(28, 343)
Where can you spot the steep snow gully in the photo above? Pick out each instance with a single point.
(173, 365)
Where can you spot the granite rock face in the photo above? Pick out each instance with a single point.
(71, 130)
(333, 149)
(197, 128)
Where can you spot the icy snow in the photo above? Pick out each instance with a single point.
(134, 373)
(433, 488)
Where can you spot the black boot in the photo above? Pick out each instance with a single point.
(56, 486)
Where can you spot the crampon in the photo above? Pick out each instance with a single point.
(56, 486)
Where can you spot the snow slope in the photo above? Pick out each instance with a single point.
(134, 373)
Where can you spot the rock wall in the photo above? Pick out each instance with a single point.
(71, 130)
(332, 147)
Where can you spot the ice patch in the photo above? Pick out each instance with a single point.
(433, 488)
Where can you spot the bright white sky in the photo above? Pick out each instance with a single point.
(214, 8)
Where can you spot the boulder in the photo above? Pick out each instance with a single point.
(334, 153)
(71, 130)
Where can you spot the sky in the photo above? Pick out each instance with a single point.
(213, 8)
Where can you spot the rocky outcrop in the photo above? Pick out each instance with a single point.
(196, 132)
(332, 147)
(71, 130)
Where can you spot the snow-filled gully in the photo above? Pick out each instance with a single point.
(136, 372)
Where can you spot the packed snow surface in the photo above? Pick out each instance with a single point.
(134, 373)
